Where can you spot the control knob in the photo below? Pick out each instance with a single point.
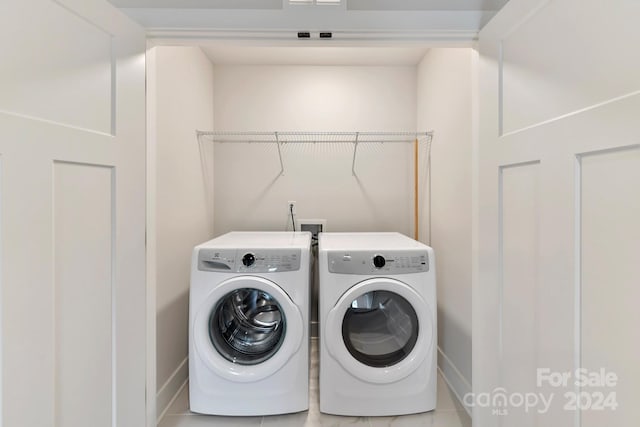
(248, 259)
(379, 261)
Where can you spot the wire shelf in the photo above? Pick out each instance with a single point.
(280, 138)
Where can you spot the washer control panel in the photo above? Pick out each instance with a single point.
(378, 262)
(249, 260)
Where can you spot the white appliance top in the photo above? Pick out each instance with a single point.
(260, 239)
(368, 241)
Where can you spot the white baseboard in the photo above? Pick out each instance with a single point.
(170, 389)
(454, 379)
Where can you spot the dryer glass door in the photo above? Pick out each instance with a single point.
(247, 326)
(380, 328)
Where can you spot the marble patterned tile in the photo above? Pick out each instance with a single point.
(314, 400)
(326, 420)
(413, 420)
(313, 419)
(448, 413)
(451, 419)
(446, 400)
(192, 420)
(299, 419)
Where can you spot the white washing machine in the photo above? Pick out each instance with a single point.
(249, 324)
(377, 325)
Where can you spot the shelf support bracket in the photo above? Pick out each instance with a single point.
(355, 151)
(279, 153)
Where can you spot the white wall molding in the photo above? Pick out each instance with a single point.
(288, 37)
(311, 19)
(454, 378)
(170, 389)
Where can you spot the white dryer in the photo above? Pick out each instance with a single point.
(249, 324)
(377, 324)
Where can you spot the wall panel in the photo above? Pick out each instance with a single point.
(559, 82)
(546, 76)
(520, 308)
(84, 295)
(610, 273)
(66, 78)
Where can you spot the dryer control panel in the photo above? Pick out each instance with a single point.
(378, 262)
(249, 260)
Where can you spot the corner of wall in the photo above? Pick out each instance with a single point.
(475, 174)
(446, 105)
(180, 101)
(454, 379)
(170, 390)
(150, 61)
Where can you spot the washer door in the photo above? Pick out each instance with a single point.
(380, 330)
(247, 329)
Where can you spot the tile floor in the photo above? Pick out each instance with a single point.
(448, 413)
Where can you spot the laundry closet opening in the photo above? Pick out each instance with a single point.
(201, 189)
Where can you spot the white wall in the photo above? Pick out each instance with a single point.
(181, 199)
(249, 194)
(556, 283)
(445, 79)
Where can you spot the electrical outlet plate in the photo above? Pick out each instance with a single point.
(313, 224)
(289, 210)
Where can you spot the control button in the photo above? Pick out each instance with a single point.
(379, 261)
(346, 257)
(248, 259)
